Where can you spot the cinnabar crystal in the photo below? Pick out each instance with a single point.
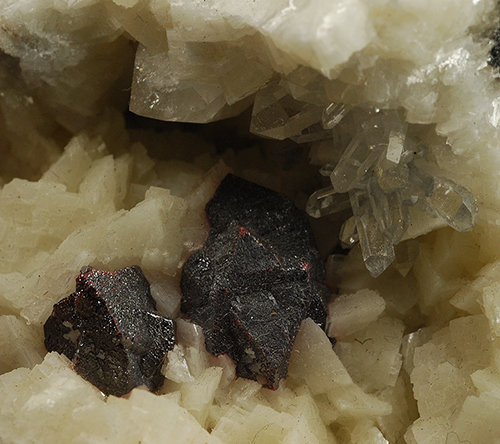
(256, 278)
(111, 331)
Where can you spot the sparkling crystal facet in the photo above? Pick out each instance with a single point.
(377, 249)
(327, 201)
(333, 114)
(454, 204)
(349, 233)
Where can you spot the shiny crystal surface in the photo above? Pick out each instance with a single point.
(378, 156)
(326, 201)
(378, 169)
(278, 115)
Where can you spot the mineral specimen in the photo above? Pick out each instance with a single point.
(111, 331)
(255, 279)
(379, 175)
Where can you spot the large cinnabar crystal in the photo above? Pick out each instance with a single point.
(256, 278)
(111, 331)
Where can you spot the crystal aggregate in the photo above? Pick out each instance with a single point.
(111, 331)
(67, 75)
(257, 277)
(377, 175)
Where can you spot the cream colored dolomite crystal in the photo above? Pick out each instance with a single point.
(379, 117)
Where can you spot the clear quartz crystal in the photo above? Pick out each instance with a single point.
(377, 249)
(358, 157)
(349, 233)
(406, 255)
(333, 114)
(454, 204)
(326, 201)
(385, 174)
(277, 115)
(389, 211)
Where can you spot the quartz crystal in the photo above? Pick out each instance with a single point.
(379, 157)
(327, 201)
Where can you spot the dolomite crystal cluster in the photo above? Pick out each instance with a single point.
(379, 116)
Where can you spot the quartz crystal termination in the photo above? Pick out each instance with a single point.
(256, 278)
(111, 331)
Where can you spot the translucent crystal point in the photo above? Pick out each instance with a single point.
(326, 201)
(333, 114)
(349, 233)
(377, 249)
(277, 115)
(358, 157)
(389, 211)
(406, 254)
(454, 203)
(326, 169)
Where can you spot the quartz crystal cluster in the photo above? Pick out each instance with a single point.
(382, 172)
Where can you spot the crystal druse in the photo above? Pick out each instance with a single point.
(379, 118)
(258, 276)
(111, 331)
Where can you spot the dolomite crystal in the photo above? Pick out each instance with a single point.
(111, 331)
(255, 279)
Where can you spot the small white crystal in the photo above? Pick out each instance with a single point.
(349, 233)
(377, 249)
(350, 313)
(395, 147)
(372, 355)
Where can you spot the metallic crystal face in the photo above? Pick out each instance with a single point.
(256, 278)
(111, 331)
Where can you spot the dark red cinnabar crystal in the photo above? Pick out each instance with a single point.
(257, 277)
(111, 331)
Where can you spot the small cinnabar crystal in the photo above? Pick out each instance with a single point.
(257, 277)
(111, 331)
